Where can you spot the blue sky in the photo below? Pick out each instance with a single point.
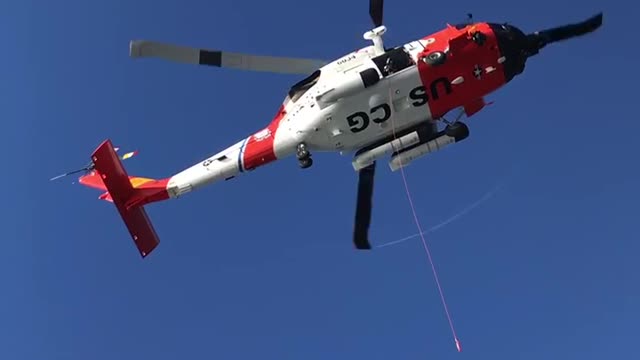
(263, 266)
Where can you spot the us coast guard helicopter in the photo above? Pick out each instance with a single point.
(377, 101)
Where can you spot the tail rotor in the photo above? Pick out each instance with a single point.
(91, 166)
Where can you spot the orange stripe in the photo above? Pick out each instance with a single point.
(139, 181)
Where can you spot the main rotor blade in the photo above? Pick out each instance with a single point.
(185, 54)
(569, 31)
(540, 39)
(364, 207)
(376, 8)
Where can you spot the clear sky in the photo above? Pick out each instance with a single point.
(263, 266)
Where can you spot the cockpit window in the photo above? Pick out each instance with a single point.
(300, 88)
(393, 61)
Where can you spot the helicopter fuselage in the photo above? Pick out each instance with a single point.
(375, 101)
(363, 97)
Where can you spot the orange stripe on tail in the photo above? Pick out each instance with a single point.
(93, 180)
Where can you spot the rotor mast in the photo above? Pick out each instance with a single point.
(375, 35)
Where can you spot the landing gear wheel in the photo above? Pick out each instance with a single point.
(301, 151)
(306, 162)
(457, 130)
(301, 154)
(435, 58)
(304, 156)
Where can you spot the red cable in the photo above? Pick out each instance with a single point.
(424, 242)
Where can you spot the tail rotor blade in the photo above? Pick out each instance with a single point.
(59, 176)
(364, 207)
(69, 173)
(90, 166)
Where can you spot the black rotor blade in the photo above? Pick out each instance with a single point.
(69, 173)
(375, 11)
(363, 207)
(565, 32)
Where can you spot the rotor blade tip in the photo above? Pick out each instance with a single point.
(134, 48)
(599, 17)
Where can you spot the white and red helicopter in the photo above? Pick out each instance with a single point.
(376, 101)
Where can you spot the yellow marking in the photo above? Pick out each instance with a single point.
(139, 181)
(128, 155)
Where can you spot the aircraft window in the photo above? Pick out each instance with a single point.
(303, 86)
(393, 61)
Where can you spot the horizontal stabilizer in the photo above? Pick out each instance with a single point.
(120, 191)
(106, 197)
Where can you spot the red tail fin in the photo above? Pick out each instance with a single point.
(129, 194)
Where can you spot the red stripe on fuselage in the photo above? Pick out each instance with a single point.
(462, 58)
(259, 149)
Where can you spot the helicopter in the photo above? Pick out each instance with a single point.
(374, 102)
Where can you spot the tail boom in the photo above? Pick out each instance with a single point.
(129, 194)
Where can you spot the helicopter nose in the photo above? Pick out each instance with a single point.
(513, 44)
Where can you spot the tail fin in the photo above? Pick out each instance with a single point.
(129, 194)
